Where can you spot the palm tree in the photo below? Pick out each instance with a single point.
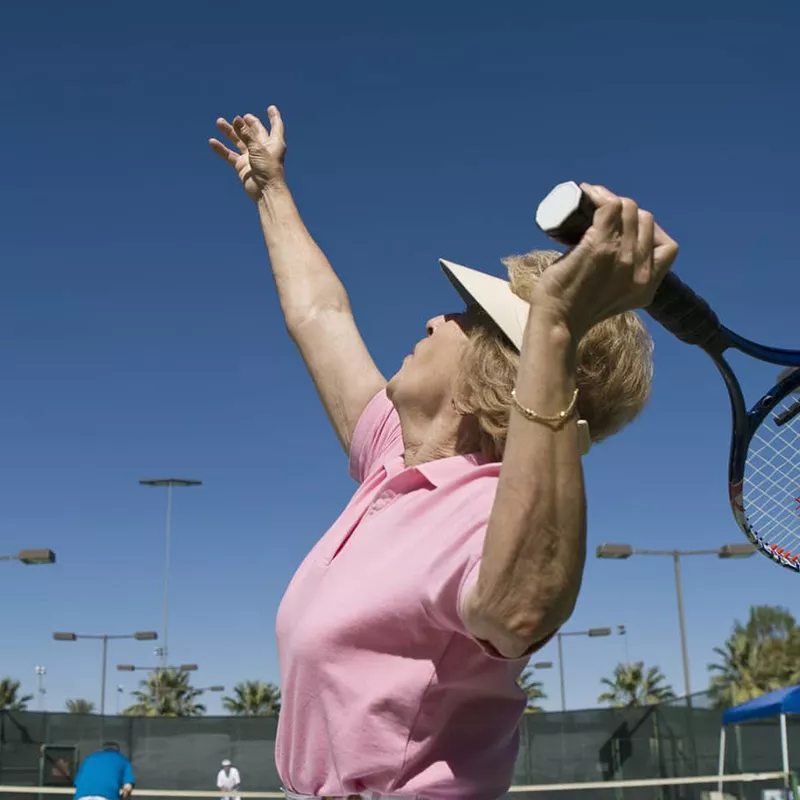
(739, 672)
(166, 693)
(254, 699)
(632, 686)
(758, 657)
(10, 698)
(79, 706)
(534, 690)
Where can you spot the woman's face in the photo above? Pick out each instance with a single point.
(424, 382)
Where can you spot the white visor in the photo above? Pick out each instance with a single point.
(494, 296)
(507, 311)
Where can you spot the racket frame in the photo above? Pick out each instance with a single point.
(745, 423)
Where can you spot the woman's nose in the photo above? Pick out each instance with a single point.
(433, 324)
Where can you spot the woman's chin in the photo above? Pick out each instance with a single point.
(395, 382)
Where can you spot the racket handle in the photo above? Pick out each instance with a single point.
(567, 213)
(683, 313)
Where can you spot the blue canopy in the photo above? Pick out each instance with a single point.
(781, 701)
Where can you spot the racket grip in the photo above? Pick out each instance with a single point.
(683, 313)
(567, 213)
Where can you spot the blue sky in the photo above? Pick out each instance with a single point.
(141, 336)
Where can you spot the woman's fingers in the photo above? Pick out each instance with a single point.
(227, 130)
(242, 130)
(629, 238)
(644, 247)
(608, 214)
(599, 195)
(222, 151)
(275, 122)
(665, 251)
(255, 126)
(663, 248)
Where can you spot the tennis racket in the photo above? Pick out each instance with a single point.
(764, 465)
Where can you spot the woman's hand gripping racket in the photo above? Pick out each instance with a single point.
(764, 466)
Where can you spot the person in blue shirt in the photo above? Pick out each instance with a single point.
(105, 775)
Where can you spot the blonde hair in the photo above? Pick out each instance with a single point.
(614, 366)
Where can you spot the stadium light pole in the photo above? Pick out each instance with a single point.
(623, 631)
(41, 671)
(179, 668)
(141, 636)
(32, 557)
(592, 632)
(168, 483)
(727, 551)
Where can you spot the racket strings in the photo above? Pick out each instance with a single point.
(771, 492)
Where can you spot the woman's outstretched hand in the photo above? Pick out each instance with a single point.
(259, 154)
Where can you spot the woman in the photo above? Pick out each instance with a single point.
(403, 632)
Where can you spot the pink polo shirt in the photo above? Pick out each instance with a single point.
(383, 688)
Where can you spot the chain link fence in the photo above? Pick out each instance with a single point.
(672, 740)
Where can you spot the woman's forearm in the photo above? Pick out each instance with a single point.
(303, 275)
(535, 546)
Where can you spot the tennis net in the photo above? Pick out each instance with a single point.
(745, 786)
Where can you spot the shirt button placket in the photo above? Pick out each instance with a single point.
(380, 502)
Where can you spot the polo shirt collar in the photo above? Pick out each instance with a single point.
(440, 471)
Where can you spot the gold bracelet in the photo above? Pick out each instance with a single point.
(554, 422)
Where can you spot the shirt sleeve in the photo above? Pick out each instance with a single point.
(127, 773)
(377, 437)
(467, 584)
(236, 776)
(448, 590)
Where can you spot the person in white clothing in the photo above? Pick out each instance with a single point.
(228, 779)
